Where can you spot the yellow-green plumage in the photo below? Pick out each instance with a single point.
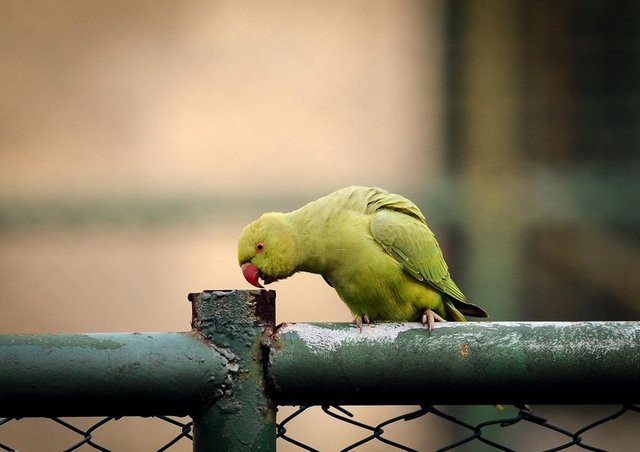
(373, 247)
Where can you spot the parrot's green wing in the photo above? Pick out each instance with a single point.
(408, 239)
(413, 245)
(379, 200)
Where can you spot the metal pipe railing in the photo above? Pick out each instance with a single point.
(102, 374)
(231, 371)
(459, 363)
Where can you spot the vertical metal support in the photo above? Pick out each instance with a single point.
(242, 416)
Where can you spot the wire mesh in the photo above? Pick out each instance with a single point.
(462, 433)
(467, 435)
(85, 437)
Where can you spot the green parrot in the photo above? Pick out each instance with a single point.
(373, 247)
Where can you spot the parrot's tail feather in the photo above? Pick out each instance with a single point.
(470, 309)
(452, 313)
(456, 309)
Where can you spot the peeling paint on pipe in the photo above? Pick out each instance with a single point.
(460, 363)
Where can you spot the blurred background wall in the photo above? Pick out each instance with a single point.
(137, 138)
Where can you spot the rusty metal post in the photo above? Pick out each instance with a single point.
(234, 323)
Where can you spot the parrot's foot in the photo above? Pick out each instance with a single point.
(360, 320)
(429, 318)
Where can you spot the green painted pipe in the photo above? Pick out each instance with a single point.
(459, 363)
(236, 322)
(102, 374)
(215, 374)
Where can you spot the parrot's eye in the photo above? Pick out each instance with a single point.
(259, 247)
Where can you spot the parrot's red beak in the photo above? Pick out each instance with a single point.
(252, 274)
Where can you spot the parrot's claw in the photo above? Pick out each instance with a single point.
(360, 320)
(429, 318)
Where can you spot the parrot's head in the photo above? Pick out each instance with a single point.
(268, 249)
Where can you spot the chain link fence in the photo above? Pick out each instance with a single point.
(462, 434)
(428, 423)
(103, 434)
